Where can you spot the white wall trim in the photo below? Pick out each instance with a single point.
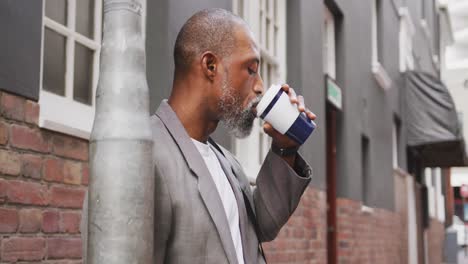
(407, 30)
(367, 209)
(329, 42)
(425, 28)
(406, 15)
(65, 116)
(381, 75)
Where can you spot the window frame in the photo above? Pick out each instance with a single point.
(329, 41)
(62, 113)
(407, 30)
(258, 143)
(379, 72)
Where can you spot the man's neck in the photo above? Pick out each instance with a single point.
(194, 116)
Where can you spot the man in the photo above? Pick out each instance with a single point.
(205, 210)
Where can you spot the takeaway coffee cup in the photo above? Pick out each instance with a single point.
(277, 109)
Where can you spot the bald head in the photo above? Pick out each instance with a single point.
(207, 30)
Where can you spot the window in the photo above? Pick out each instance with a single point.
(267, 19)
(70, 60)
(365, 169)
(329, 51)
(380, 74)
(406, 40)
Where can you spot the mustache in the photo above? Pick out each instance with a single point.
(254, 102)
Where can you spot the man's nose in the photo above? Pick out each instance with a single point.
(258, 88)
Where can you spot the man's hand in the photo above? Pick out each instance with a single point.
(283, 141)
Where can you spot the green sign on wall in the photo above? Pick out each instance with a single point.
(334, 95)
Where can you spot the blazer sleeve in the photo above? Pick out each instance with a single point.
(162, 217)
(278, 192)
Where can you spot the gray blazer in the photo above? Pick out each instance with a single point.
(190, 223)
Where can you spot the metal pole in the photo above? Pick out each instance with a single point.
(121, 191)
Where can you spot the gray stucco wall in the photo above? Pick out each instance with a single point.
(20, 47)
(305, 73)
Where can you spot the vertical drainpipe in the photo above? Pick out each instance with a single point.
(121, 190)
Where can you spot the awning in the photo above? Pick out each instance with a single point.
(434, 131)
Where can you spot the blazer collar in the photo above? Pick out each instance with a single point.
(248, 249)
(206, 185)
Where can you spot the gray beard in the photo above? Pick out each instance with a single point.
(238, 121)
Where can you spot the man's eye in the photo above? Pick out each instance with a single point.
(251, 72)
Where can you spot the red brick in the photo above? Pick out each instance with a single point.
(53, 170)
(31, 112)
(12, 107)
(10, 163)
(66, 197)
(50, 222)
(63, 248)
(70, 147)
(30, 220)
(70, 222)
(27, 193)
(32, 166)
(28, 138)
(72, 172)
(23, 248)
(85, 176)
(3, 190)
(8, 220)
(3, 133)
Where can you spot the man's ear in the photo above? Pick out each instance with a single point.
(209, 64)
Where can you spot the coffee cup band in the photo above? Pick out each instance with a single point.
(271, 104)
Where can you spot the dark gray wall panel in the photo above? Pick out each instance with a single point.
(164, 20)
(305, 74)
(354, 74)
(20, 47)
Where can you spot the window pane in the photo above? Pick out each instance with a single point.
(275, 42)
(267, 31)
(85, 17)
(54, 62)
(82, 81)
(57, 10)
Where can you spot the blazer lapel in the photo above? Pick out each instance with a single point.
(242, 179)
(249, 255)
(206, 185)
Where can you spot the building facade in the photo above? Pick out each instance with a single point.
(366, 203)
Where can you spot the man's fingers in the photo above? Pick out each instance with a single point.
(300, 103)
(268, 128)
(295, 99)
(310, 115)
(285, 87)
(292, 96)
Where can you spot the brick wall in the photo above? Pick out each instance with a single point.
(435, 240)
(303, 239)
(368, 237)
(43, 179)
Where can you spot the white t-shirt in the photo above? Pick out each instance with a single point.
(225, 193)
